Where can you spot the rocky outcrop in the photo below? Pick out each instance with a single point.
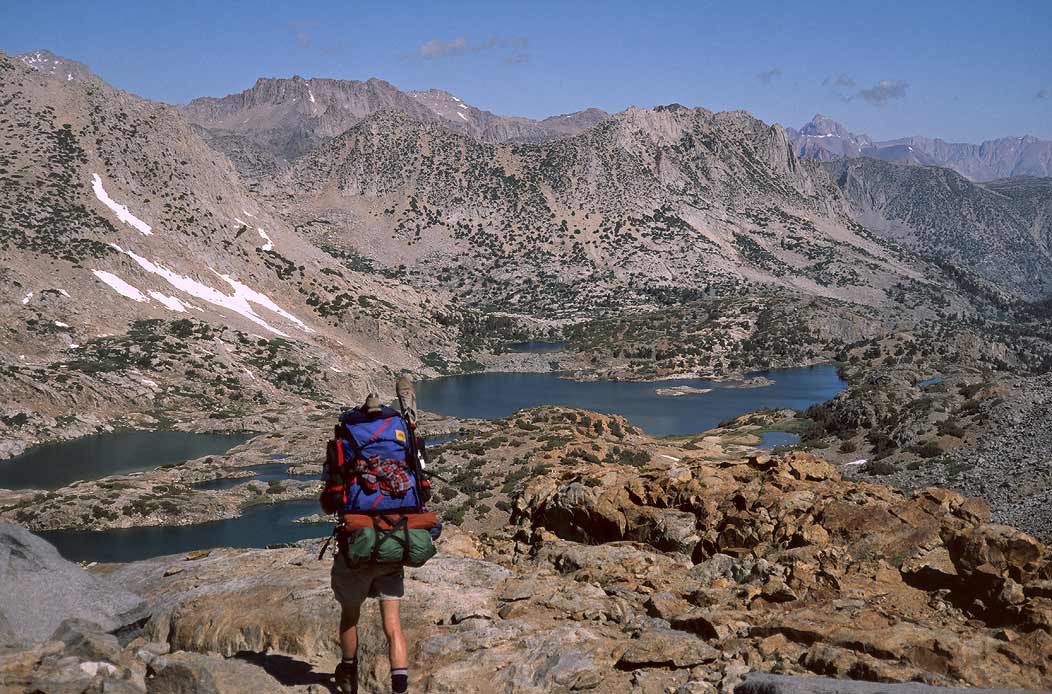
(797, 571)
(764, 683)
(41, 590)
(681, 575)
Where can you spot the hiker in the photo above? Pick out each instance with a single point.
(372, 479)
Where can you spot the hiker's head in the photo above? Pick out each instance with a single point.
(372, 404)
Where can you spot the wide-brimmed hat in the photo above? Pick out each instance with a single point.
(372, 404)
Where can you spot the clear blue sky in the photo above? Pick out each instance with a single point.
(960, 70)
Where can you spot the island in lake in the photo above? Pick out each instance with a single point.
(678, 391)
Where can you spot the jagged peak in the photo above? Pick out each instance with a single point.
(44, 61)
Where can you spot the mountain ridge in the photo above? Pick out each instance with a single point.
(281, 119)
(670, 197)
(121, 230)
(825, 139)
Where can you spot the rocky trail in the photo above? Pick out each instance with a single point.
(689, 571)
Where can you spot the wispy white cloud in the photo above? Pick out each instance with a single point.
(302, 32)
(881, 93)
(767, 75)
(841, 80)
(461, 45)
(310, 35)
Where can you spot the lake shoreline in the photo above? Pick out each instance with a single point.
(142, 504)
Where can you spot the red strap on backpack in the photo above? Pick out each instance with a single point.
(342, 470)
(387, 423)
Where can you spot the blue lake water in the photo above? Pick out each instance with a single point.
(55, 465)
(259, 526)
(478, 395)
(492, 395)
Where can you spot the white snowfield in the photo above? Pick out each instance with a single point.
(120, 210)
(120, 286)
(26, 298)
(269, 245)
(462, 115)
(169, 302)
(240, 302)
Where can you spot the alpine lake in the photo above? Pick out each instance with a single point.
(700, 406)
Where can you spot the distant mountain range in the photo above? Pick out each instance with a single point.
(1000, 229)
(544, 216)
(825, 139)
(275, 121)
(307, 238)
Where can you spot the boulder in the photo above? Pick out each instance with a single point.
(87, 640)
(765, 683)
(996, 550)
(804, 466)
(721, 566)
(196, 673)
(931, 570)
(666, 649)
(41, 590)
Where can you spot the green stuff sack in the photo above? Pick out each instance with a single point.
(398, 546)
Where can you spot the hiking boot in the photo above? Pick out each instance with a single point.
(346, 677)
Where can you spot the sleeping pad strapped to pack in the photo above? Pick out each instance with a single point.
(370, 483)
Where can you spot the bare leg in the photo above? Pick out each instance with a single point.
(349, 630)
(396, 649)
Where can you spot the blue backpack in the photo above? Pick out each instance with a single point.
(362, 436)
(384, 434)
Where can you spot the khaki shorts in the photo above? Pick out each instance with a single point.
(352, 585)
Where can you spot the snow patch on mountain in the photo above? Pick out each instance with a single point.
(240, 302)
(120, 210)
(169, 302)
(26, 298)
(269, 245)
(120, 286)
(248, 294)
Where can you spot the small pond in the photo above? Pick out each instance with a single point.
(773, 439)
(55, 465)
(265, 472)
